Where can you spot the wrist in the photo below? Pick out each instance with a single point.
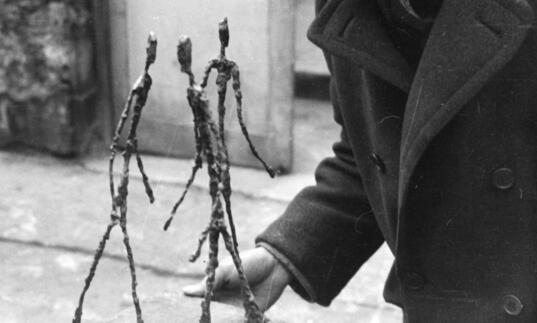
(294, 276)
(282, 271)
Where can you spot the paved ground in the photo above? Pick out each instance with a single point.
(53, 212)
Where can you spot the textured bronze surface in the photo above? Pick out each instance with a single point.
(211, 145)
(135, 101)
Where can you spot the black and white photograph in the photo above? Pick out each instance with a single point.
(256, 161)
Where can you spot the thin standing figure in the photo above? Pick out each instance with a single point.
(228, 70)
(138, 95)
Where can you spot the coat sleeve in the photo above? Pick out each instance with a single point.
(328, 231)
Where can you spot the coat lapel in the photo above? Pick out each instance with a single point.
(354, 30)
(470, 41)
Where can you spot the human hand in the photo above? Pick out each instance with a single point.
(266, 276)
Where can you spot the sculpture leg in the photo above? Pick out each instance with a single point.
(210, 272)
(130, 257)
(122, 202)
(253, 313)
(93, 269)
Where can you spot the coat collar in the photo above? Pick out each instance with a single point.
(354, 30)
(470, 41)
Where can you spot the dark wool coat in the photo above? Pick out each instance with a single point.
(439, 161)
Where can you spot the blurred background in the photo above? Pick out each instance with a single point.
(66, 68)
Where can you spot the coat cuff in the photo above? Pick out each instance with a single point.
(300, 283)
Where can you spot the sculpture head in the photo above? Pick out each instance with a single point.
(184, 53)
(223, 33)
(151, 49)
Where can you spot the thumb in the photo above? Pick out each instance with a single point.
(195, 290)
(198, 289)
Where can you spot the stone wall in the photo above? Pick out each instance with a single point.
(47, 77)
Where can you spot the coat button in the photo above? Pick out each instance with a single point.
(512, 305)
(413, 280)
(378, 162)
(503, 178)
